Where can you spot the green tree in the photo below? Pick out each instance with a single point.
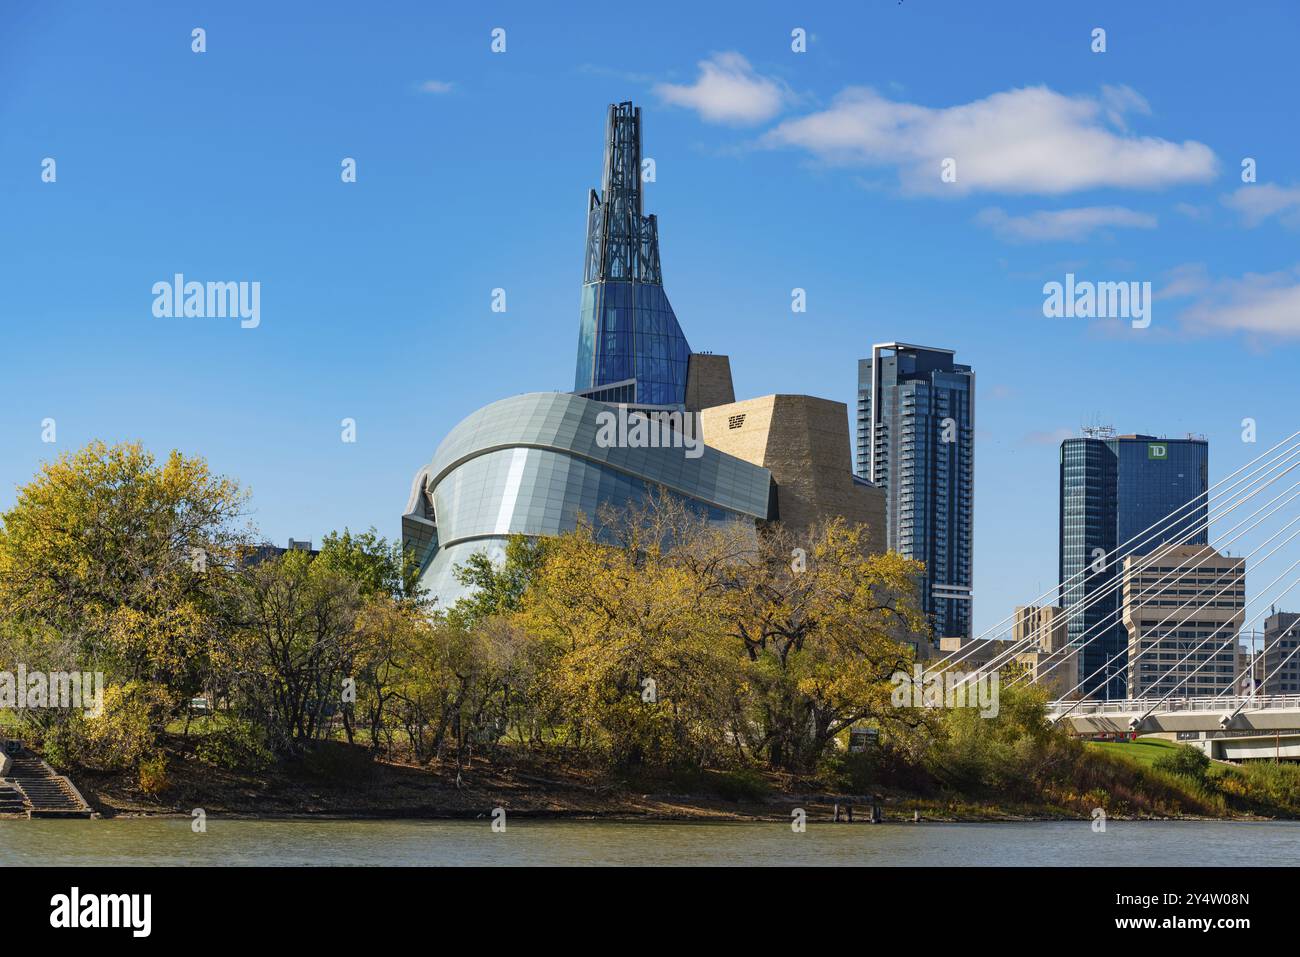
(1012, 754)
(392, 636)
(498, 590)
(377, 566)
(296, 646)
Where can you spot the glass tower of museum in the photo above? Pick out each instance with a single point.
(630, 347)
(1113, 490)
(916, 430)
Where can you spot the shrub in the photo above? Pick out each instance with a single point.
(153, 775)
(239, 743)
(60, 743)
(1097, 797)
(1010, 755)
(1265, 787)
(852, 772)
(740, 785)
(126, 733)
(1188, 761)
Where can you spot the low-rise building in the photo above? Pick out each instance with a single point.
(1278, 669)
(1047, 657)
(1183, 608)
(1038, 650)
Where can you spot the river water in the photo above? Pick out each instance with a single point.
(236, 842)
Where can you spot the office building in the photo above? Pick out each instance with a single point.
(1113, 490)
(254, 554)
(1037, 651)
(916, 441)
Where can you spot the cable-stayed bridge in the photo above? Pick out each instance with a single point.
(1228, 728)
(1147, 715)
(1184, 608)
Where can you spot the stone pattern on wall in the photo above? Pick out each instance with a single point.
(804, 442)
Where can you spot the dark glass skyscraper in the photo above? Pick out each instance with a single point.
(916, 438)
(1113, 489)
(627, 331)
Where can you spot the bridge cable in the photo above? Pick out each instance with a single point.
(973, 645)
(1119, 549)
(1216, 631)
(1204, 604)
(1116, 582)
(1181, 570)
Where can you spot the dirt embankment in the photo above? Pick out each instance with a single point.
(340, 781)
(347, 782)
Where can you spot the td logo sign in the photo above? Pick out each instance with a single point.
(1157, 450)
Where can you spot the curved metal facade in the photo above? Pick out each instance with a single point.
(531, 464)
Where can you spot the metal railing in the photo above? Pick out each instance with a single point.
(1201, 703)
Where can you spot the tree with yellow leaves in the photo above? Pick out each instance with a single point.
(642, 669)
(682, 640)
(113, 561)
(822, 626)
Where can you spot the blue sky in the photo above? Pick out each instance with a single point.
(774, 170)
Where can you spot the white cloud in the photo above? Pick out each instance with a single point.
(1120, 100)
(728, 90)
(1189, 279)
(1192, 211)
(1074, 224)
(435, 86)
(1266, 306)
(1026, 141)
(1257, 203)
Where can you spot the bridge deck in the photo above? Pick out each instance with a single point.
(1145, 715)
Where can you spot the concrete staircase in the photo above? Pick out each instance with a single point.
(42, 791)
(11, 800)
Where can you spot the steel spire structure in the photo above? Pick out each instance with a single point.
(630, 346)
